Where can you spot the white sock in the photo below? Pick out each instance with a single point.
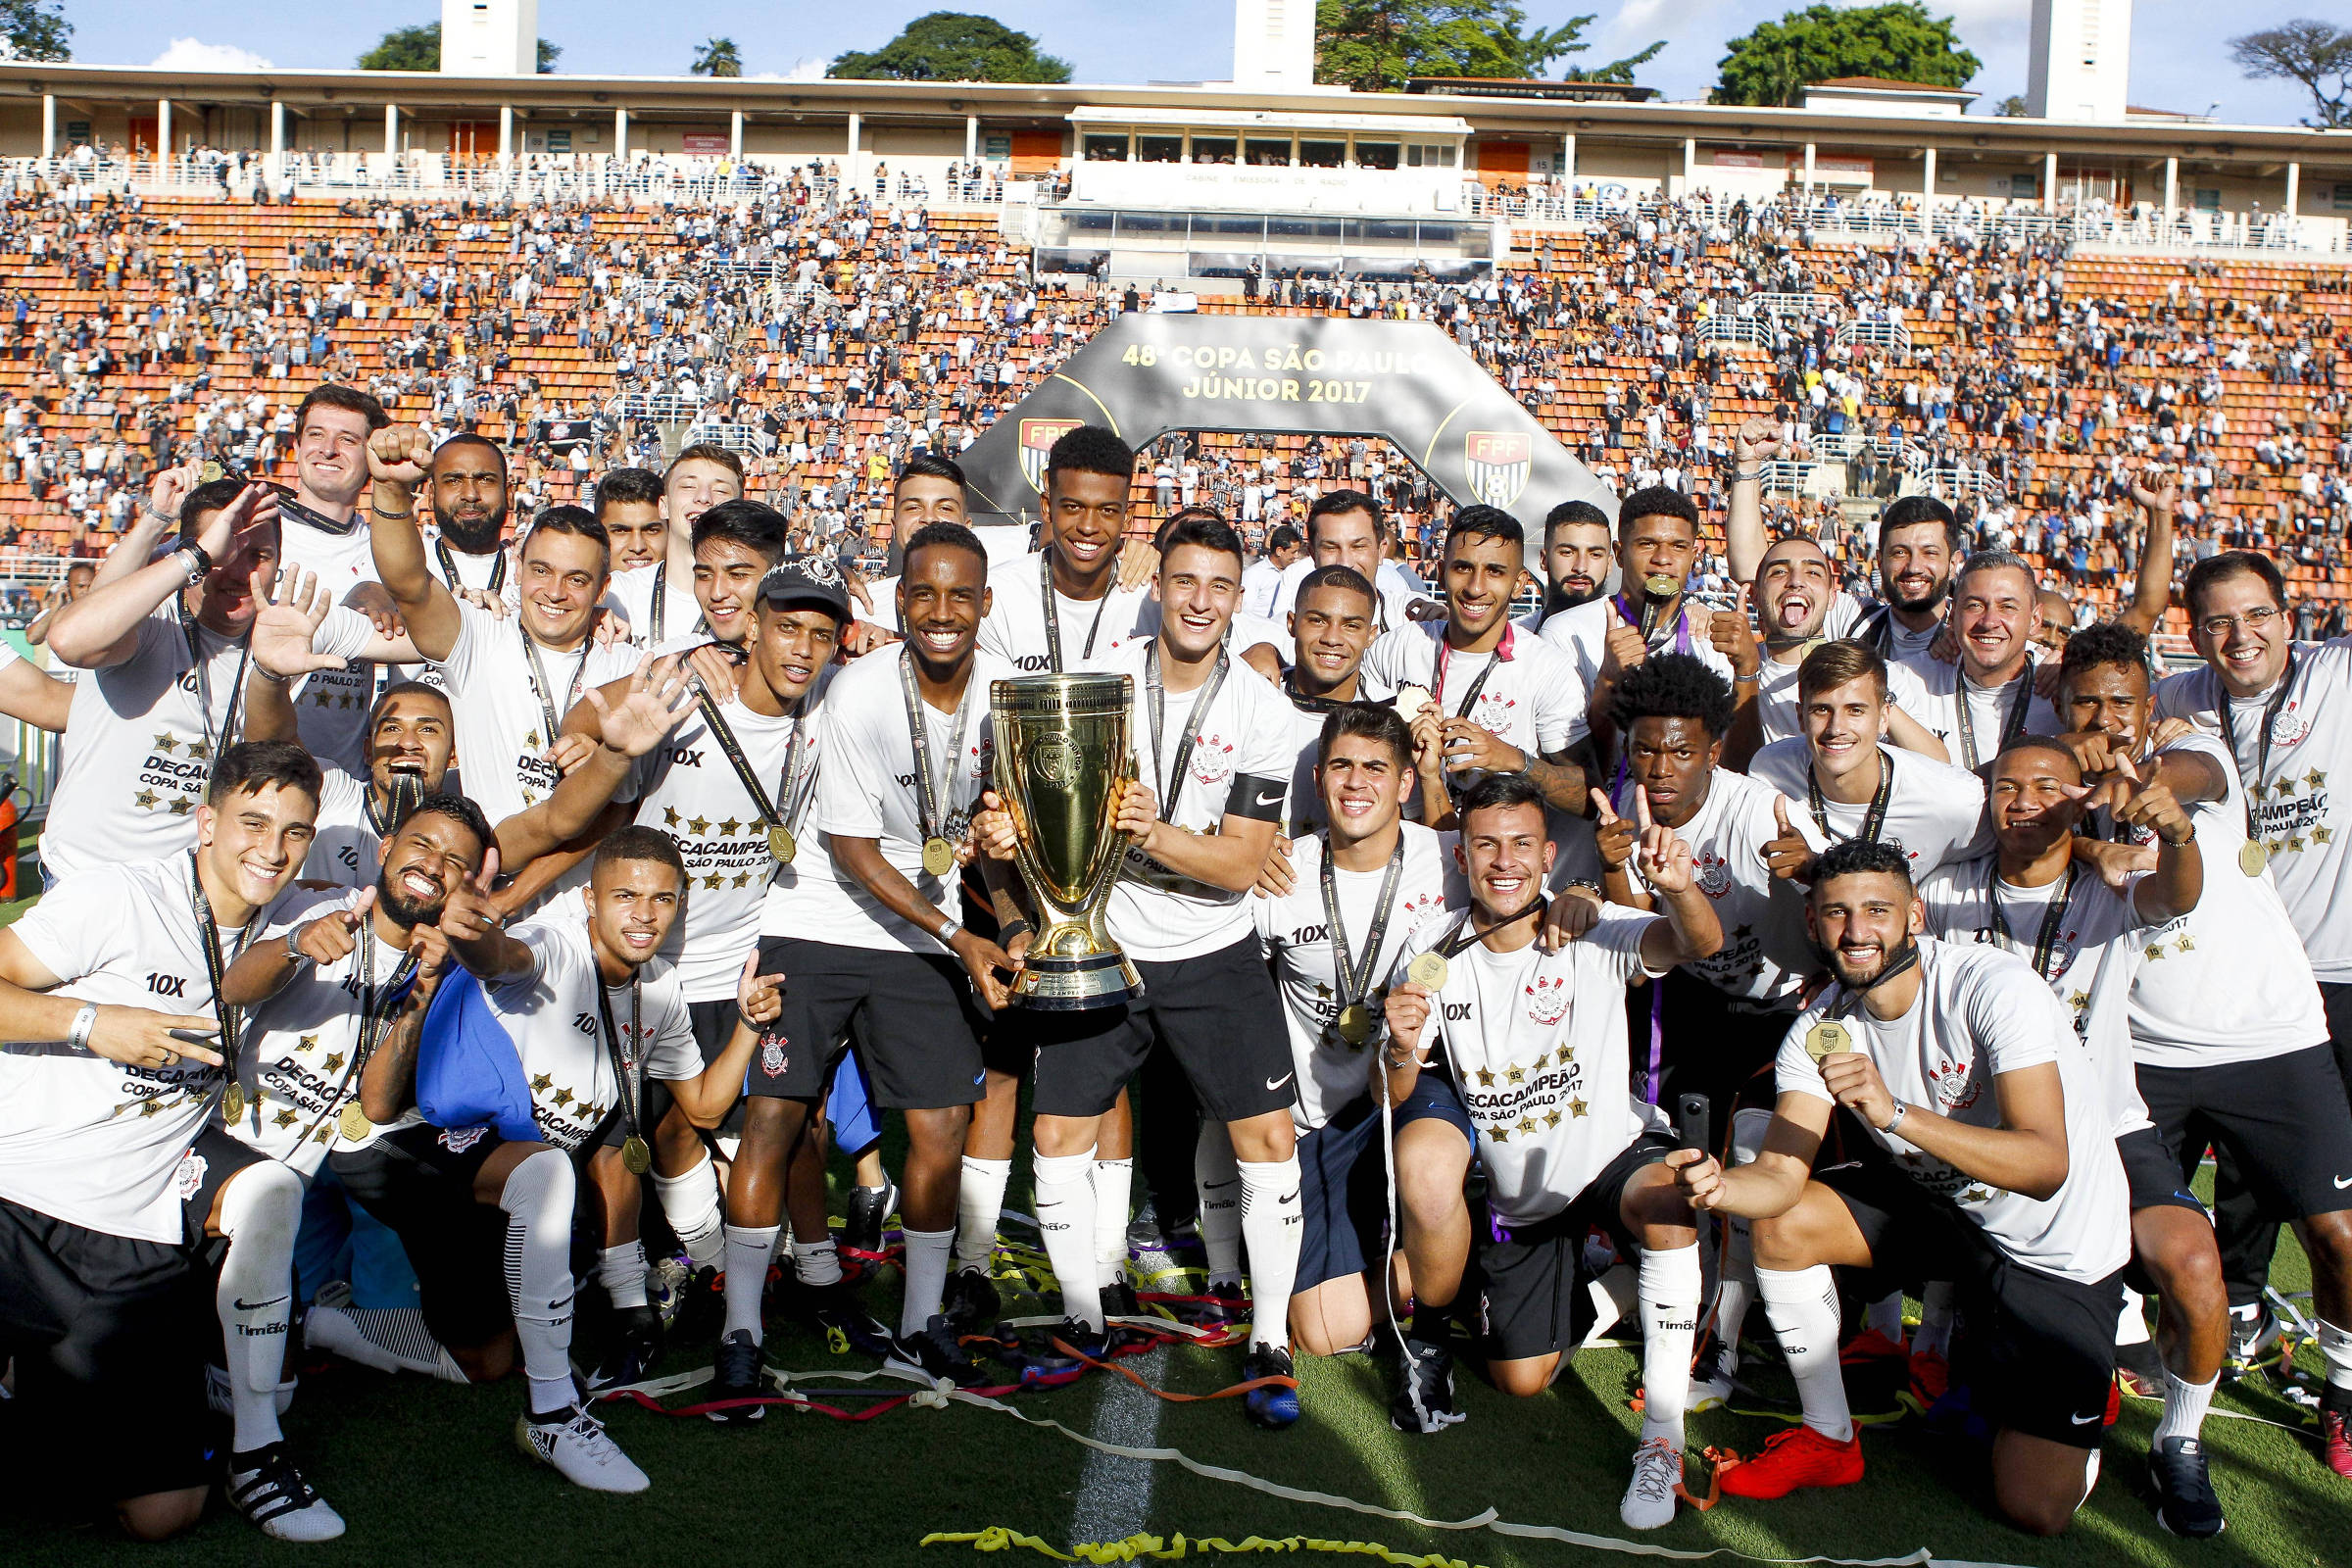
(1934, 1334)
(2131, 1324)
(1219, 1185)
(621, 1271)
(748, 1249)
(1274, 1222)
(979, 1204)
(1114, 1186)
(1669, 1285)
(816, 1263)
(926, 1276)
(1065, 1185)
(2336, 1345)
(537, 1199)
(389, 1339)
(1886, 1314)
(691, 1205)
(2184, 1406)
(1802, 1305)
(260, 1214)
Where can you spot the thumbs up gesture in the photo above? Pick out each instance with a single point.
(331, 936)
(1786, 854)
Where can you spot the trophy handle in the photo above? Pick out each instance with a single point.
(1033, 876)
(1117, 862)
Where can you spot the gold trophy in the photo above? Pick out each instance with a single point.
(1063, 762)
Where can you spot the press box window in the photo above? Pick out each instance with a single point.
(1212, 149)
(1265, 153)
(1322, 153)
(1376, 154)
(1160, 149)
(1102, 149)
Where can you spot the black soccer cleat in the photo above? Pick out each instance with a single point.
(2185, 1504)
(636, 1346)
(2253, 1338)
(701, 1304)
(839, 1313)
(1424, 1400)
(737, 1376)
(971, 1304)
(1272, 1408)
(934, 1353)
(868, 1207)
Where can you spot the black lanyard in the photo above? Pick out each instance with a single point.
(932, 790)
(449, 567)
(1470, 697)
(1874, 820)
(1192, 725)
(2053, 917)
(214, 966)
(1045, 572)
(204, 692)
(660, 613)
(2013, 722)
(769, 814)
(1464, 935)
(405, 791)
(624, 1061)
(375, 1006)
(1355, 981)
(530, 659)
(2262, 743)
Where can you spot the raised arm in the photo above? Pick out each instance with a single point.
(474, 929)
(398, 456)
(35, 696)
(101, 629)
(1753, 445)
(2152, 590)
(1689, 929)
(627, 719)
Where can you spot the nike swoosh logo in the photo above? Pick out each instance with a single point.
(1266, 798)
(2343, 1182)
(2085, 1420)
(1273, 1084)
(255, 1306)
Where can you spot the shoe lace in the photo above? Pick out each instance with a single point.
(1657, 1470)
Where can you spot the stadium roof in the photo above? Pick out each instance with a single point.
(1572, 92)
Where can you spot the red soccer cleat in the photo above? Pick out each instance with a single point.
(2336, 1431)
(1870, 1346)
(1930, 1380)
(1793, 1460)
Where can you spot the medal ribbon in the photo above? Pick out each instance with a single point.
(1356, 983)
(204, 692)
(375, 1006)
(931, 790)
(1192, 725)
(1503, 651)
(2262, 742)
(1681, 623)
(530, 659)
(769, 814)
(1874, 820)
(2013, 722)
(214, 966)
(2053, 917)
(449, 567)
(1045, 574)
(624, 1065)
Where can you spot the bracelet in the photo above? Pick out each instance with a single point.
(1901, 1108)
(163, 517)
(295, 954)
(948, 930)
(1748, 680)
(77, 1035)
(1749, 477)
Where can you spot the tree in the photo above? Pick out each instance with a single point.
(1375, 45)
(2309, 52)
(2013, 107)
(953, 46)
(420, 49)
(717, 57)
(1902, 42)
(35, 29)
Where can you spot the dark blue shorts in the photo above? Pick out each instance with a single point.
(1434, 1097)
(1344, 1196)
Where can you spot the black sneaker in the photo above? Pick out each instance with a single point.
(1094, 1345)
(268, 1490)
(971, 1304)
(2253, 1338)
(635, 1346)
(1424, 1400)
(934, 1354)
(869, 1206)
(1119, 1301)
(2185, 1504)
(701, 1306)
(1148, 1233)
(737, 1377)
(1273, 1407)
(838, 1312)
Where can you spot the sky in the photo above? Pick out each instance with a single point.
(2179, 47)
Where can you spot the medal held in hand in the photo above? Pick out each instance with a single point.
(1428, 971)
(1826, 1039)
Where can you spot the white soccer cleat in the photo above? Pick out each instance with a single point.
(576, 1444)
(1649, 1499)
(273, 1494)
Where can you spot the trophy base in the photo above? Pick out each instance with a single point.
(1073, 985)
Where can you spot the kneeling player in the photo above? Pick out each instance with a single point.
(1536, 1043)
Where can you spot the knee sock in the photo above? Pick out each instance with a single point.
(389, 1339)
(1669, 1290)
(979, 1204)
(926, 1276)
(537, 1199)
(621, 1271)
(1935, 1336)
(748, 1249)
(2336, 1345)
(1274, 1222)
(1115, 1185)
(1219, 1186)
(1802, 1305)
(2185, 1407)
(816, 1263)
(260, 1214)
(1066, 1215)
(1886, 1314)
(690, 1202)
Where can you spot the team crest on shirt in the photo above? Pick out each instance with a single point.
(2290, 727)
(1954, 1083)
(1547, 1000)
(458, 1140)
(1492, 712)
(1211, 762)
(188, 1180)
(772, 1053)
(1714, 875)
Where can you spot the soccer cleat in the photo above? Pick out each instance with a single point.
(575, 1443)
(837, 1312)
(1227, 1303)
(1119, 1301)
(1930, 1381)
(2335, 1429)
(1273, 1407)
(636, 1346)
(665, 1284)
(934, 1355)
(1793, 1460)
(1657, 1474)
(2185, 1504)
(1424, 1399)
(268, 1490)
(1094, 1345)
(736, 1376)
(869, 1206)
(971, 1304)
(699, 1305)
(2253, 1338)
(2140, 1369)
(1870, 1346)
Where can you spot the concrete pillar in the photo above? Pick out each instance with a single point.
(848, 164)
(1927, 182)
(392, 130)
(1689, 164)
(735, 134)
(1568, 158)
(163, 127)
(278, 131)
(1808, 168)
(620, 133)
(2172, 191)
(2294, 181)
(972, 138)
(48, 124)
(506, 132)
(2050, 182)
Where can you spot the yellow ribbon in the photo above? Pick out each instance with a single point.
(995, 1538)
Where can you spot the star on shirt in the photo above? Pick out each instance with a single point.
(563, 1097)
(2315, 778)
(2322, 835)
(1551, 1117)
(531, 740)
(727, 828)
(167, 744)
(669, 817)
(1563, 1057)
(148, 1107)
(2152, 952)
(144, 800)
(714, 881)
(308, 1043)
(1576, 1108)
(1527, 1125)
(743, 879)
(321, 698)
(2295, 844)
(1485, 1079)
(2184, 943)
(1322, 991)
(1976, 1194)
(333, 1063)
(1514, 1075)
(1738, 932)
(347, 698)
(198, 752)
(182, 807)
(2283, 788)
(1501, 1135)
(285, 1117)
(539, 1085)
(698, 825)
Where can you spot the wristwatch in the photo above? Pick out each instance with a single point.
(295, 954)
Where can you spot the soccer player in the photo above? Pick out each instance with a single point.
(628, 503)
(466, 485)
(1577, 557)
(111, 1183)
(1064, 608)
(658, 602)
(927, 488)
(321, 534)
(1347, 528)
(1990, 1160)
(1984, 700)
(1540, 1077)
(1657, 547)
(1796, 587)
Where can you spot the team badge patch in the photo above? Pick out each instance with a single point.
(458, 1140)
(1497, 465)
(772, 1055)
(1037, 441)
(1547, 1000)
(188, 1180)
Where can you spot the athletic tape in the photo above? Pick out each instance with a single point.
(1174, 1548)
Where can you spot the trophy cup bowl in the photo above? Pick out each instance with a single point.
(1063, 761)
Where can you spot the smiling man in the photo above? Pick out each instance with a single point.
(1347, 528)
(628, 503)
(1984, 701)
(321, 534)
(658, 601)
(1797, 588)
(1063, 608)
(1657, 550)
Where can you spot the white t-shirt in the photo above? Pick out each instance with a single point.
(1537, 1045)
(1093, 631)
(1534, 700)
(345, 847)
(1934, 811)
(1246, 734)
(631, 592)
(1582, 632)
(1261, 582)
(135, 748)
(1775, 696)
(867, 789)
(1982, 1013)
(1303, 814)
(2294, 798)
(1765, 955)
(690, 791)
(1296, 931)
(550, 1014)
(2094, 957)
(331, 706)
(1848, 614)
(84, 1138)
(2229, 981)
(501, 727)
(473, 571)
(1992, 710)
(1397, 596)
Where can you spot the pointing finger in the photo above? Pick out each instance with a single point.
(1602, 811)
(1641, 806)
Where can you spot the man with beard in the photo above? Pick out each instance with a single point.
(1990, 1160)
(1347, 528)
(467, 482)
(1577, 549)
(1796, 587)
(1986, 699)
(628, 503)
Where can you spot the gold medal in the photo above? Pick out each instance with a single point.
(2252, 858)
(1828, 1038)
(232, 1103)
(780, 842)
(635, 1155)
(1428, 971)
(939, 856)
(1660, 586)
(352, 1122)
(1356, 1022)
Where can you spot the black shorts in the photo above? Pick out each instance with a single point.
(916, 1029)
(1434, 1098)
(713, 1027)
(2041, 1348)
(1708, 1044)
(110, 1337)
(2283, 1119)
(2154, 1174)
(1343, 1196)
(204, 1170)
(1531, 1295)
(418, 1184)
(1219, 1014)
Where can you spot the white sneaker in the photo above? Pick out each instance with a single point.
(1649, 1499)
(575, 1442)
(273, 1494)
(1712, 1392)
